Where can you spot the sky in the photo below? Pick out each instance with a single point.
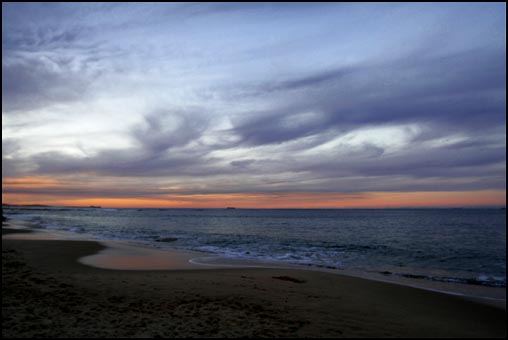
(260, 105)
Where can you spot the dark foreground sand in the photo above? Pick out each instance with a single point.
(47, 293)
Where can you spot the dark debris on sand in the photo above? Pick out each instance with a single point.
(288, 278)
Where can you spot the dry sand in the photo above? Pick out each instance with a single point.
(46, 292)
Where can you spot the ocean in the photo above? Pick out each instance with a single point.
(451, 245)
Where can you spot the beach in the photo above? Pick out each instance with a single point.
(47, 292)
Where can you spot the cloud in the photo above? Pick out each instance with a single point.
(33, 84)
(13, 164)
(165, 130)
(49, 57)
(460, 92)
(317, 108)
(243, 164)
(162, 149)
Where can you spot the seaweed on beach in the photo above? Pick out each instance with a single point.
(288, 278)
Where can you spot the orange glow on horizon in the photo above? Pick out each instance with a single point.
(270, 200)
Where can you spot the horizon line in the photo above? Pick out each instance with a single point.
(490, 206)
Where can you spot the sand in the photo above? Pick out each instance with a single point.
(46, 292)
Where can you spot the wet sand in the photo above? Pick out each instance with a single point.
(46, 292)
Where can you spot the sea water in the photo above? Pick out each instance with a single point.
(454, 245)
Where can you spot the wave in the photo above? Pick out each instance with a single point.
(481, 280)
(274, 239)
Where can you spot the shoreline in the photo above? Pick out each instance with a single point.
(47, 292)
(425, 267)
(129, 255)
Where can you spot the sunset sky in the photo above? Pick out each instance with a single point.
(305, 105)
